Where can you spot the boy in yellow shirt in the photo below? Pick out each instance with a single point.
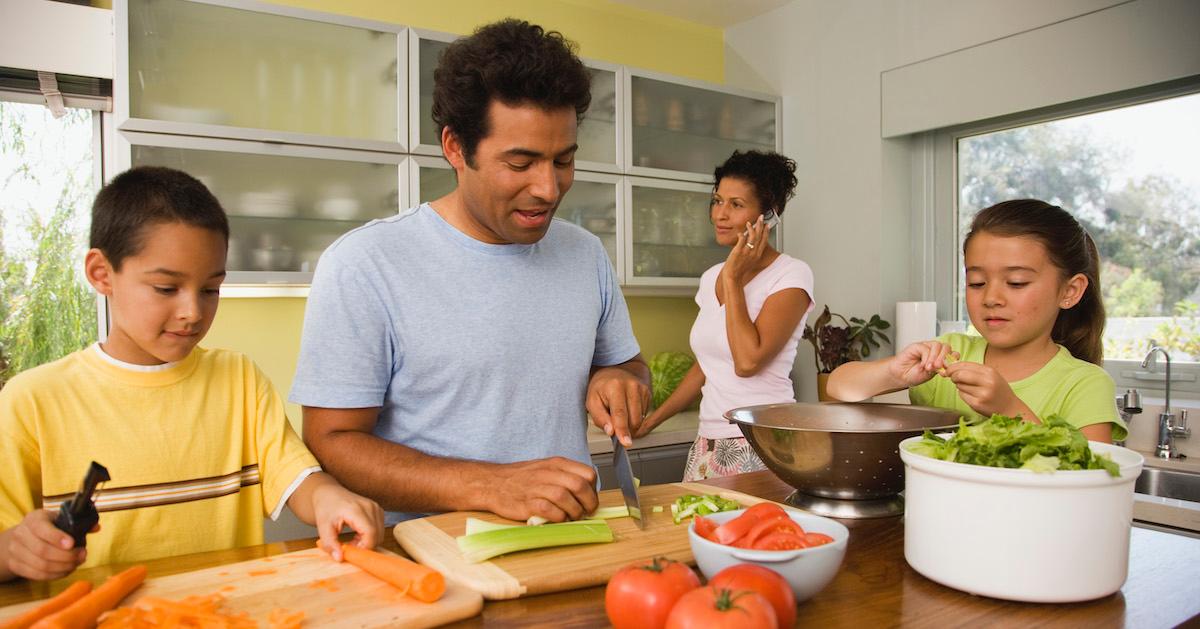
(196, 440)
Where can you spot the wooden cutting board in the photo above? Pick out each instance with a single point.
(431, 541)
(329, 593)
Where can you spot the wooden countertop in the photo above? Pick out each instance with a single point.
(875, 586)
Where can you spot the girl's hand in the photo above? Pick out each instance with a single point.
(746, 254)
(986, 391)
(920, 361)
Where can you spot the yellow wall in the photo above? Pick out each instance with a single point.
(269, 329)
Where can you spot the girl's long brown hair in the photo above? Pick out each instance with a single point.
(1081, 328)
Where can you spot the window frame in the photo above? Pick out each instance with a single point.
(936, 196)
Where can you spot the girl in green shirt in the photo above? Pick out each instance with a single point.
(1033, 292)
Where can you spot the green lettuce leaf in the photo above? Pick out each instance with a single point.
(1002, 441)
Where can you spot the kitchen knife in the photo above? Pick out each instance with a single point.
(625, 479)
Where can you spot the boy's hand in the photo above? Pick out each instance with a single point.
(38, 550)
(986, 391)
(334, 507)
(920, 361)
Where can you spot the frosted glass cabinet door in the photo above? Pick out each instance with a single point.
(591, 203)
(427, 49)
(283, 211)
(686, 130)
(671, 235)
(598, 130)
(191, 62)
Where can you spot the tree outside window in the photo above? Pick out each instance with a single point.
(47, 182)
(1130, 176)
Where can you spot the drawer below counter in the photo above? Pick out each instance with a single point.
(679, 429)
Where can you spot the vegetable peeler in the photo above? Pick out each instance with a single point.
(78, 515)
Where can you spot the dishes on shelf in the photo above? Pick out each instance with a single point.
(338, 208)
(269, 204)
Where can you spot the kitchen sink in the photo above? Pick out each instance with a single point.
(1168, 484)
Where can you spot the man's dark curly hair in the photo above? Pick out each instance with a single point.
(511, 61)
(772, 175)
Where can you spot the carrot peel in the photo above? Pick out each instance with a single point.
(420, 582)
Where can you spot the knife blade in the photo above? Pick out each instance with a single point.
(625, 479)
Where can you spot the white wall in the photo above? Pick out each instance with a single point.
(852, 219)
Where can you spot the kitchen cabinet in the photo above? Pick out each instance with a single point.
(591, 202)
(285, 204)
(253, 71)
(306, 124)
(671, 236)
(683, 129)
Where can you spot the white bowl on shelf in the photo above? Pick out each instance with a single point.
(338, 208)
(269, 204)
(1051, 537)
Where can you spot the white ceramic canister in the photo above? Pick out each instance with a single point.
(1016, 534)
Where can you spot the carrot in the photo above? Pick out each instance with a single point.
(84, 612)
(420, 582)
(73, 593)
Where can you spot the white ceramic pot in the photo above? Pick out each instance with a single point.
(1016, 534)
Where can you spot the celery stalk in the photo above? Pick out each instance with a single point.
(608, 513)
(479, 547)
(475, 525)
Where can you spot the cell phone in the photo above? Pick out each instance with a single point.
(770, 218)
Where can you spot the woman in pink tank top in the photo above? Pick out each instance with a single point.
(752, 311)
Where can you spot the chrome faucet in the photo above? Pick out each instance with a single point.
(1128, 405)
(1168, 430)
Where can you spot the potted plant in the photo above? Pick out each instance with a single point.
(835, 345)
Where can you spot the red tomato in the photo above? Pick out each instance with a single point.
(764, 510)
(816, 539)
(733, 530)
(766, 582)
(705, 527)
(642, 594)
(780, 541)
(773, 525)
(714, 608)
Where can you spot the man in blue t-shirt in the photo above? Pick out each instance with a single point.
(449, 352)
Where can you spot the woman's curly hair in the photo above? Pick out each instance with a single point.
(772, 175)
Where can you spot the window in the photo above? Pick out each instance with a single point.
(48, 176)
(1130, 175)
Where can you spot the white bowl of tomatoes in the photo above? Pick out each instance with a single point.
(805, 549)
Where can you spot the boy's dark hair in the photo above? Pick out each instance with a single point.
(149, 195)
(772, 175)
(1080, 328)
(511, 61)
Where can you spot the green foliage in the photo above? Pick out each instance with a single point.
(836, 345)
(1182, 334)
(46, 310)
(1135, 296)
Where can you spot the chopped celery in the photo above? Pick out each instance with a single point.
(657, 509)
(608, 513)
(483, 546)
(475, 525)
(691, 504)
